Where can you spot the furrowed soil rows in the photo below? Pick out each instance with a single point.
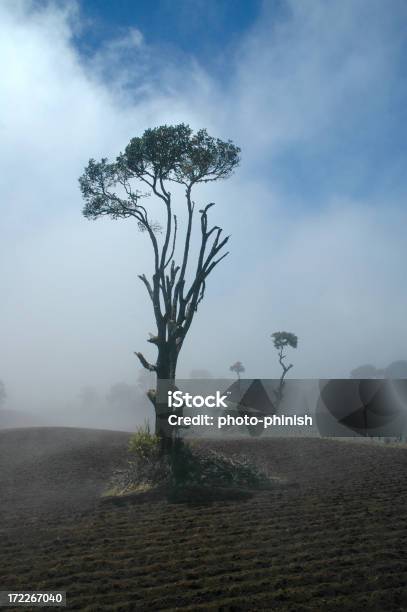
(334, 538)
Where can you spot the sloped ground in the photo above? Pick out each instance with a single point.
(47, 472)
(334, 540)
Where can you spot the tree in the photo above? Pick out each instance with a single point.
(121, 395)
(89, 397)
(122, 399)
(281, 340)
(397, 369)
(366, 371)
(161, 156)
(3, 394)
(237, 367)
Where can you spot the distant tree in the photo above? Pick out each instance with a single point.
(122, 400)
(238, 368)
(89, 397)
(397, 369)
(122, 394)
(128, 404)
(161, 156)
(3, 394)
(366, 371)
(281, 341)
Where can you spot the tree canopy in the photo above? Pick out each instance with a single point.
(283, 339)
(165, 153)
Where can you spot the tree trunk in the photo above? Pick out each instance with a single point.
(166, 368)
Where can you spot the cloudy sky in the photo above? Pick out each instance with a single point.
(314, 93)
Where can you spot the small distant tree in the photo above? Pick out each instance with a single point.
(366, 371)
(3, 394)
(238, 368)
(160, 157)
(89, 397)
(397, 369)
(281, 341)
(128, 403)
(122, 395)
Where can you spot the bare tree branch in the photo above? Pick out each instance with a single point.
(173, 242)
(181, 281)
(143, 278)
(215, 263)
(145, 363)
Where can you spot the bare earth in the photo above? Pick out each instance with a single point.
(334, 540)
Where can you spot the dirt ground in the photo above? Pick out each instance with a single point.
(335, 539)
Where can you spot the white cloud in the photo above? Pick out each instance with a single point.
(317, 71)
(73, 310)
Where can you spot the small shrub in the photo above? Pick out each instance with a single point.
(189, 466)
(146, 468)
(143, 444)
(186, 473)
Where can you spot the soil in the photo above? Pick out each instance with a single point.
(335, 539)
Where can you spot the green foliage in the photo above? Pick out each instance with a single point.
(172, 153)
(283, 339)
(96, 183)
(144, 445)
(146, 467)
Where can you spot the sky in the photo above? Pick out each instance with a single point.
(314, 93)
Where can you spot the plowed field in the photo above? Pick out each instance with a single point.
(333, 538)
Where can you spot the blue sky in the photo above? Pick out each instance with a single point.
(207, 30)
(315, 95)
(362, 150)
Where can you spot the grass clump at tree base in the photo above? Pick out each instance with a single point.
(187, 473)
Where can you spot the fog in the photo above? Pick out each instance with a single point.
(316, 211)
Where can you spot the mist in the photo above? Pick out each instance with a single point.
(316, 211)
